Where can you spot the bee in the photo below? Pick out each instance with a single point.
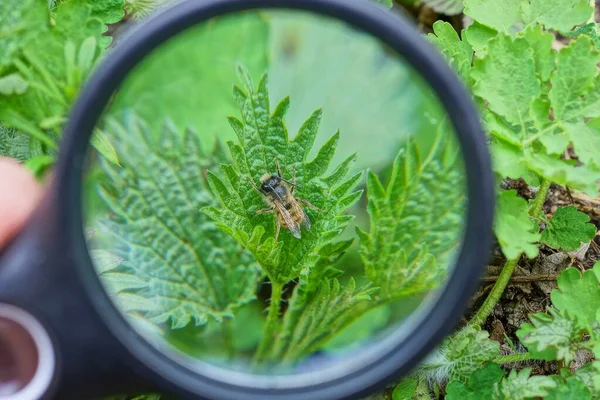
(278, 194)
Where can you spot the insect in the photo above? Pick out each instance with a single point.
(278, 193)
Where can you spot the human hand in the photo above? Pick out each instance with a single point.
(19, 195)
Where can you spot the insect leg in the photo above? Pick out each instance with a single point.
(254, 185)
(267, 210)
(293, 178)
(278, 221)
(278, 168)
(310, 205)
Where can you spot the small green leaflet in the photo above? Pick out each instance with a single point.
(579, 296)
(416, 222)
(591, 30)
(570, 387)
(459, 53)
(160, 255)
(521, 385)
(459, 355)
(567, 229)
(589, 374)
(263, 137)
(514, 229)
(479, 386)
(405, 389)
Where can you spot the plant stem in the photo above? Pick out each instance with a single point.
(493, 298)
(270, 325)
(537, 207)
(512, 358)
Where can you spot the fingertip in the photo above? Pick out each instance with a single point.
(19, 195)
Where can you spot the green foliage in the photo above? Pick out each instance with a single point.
(567, 229)
(521, 385)
(570, 387)
(412, 222)
(44, 64)
(480, 385)
(263, 137)
(559, 334)
(158, 253)
(515, 231)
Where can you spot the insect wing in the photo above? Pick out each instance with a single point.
(292, 225)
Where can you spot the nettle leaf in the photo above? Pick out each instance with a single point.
(163, 257)
(514, 229)
(478, 35)
(591, 30)
(262, 138)
(567, 229)
(458, 52)
(459, 356)
(499, 14)
(326, 304)
(561, 15)
(589, 374)
(479, 386)
(413, 222)
(521, 385)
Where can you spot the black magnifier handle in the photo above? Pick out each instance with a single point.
(77, 356)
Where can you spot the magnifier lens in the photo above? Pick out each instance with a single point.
(273, 192)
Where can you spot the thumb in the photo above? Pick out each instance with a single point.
(19, 194)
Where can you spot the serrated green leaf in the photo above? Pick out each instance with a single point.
(263, 139)
(586, 140)
(459, 355)
(499, 14)
(591, 30)
(578, 296)
(191, 271)
(104, 147)
(414, 222)
(567, 229)
(479, 386)
(589, 374)
(506, 78)
(458, 52)
(521, 385)
(561, 15)
(108, 11)
(550, 337)
(515, 231)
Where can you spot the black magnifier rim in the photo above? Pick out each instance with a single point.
(400, 36)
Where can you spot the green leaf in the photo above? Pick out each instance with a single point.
(108, 11)
(103, 146)
(550, 337)
(13, 143)
(459, 356)
(388, 3)
(561, 15)
(446, 7)
(199, 94)
(540, 42)
(515, 231)
(570, 388)
(479, 386)
(180, 268)
(478, 36)
(415, 220)
(458, 52)
(591, 30)
(521, 385)
(586, 140)
(405, 389)
(589, 374)
(38, 165)
(567, 229)
(500, 14)
(506, 78)
(576, 69)
(578, 296)
(263, 138)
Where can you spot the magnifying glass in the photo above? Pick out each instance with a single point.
(284, 200)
